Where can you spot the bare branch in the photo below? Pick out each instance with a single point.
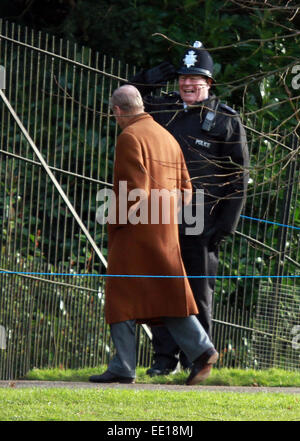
(229, 46)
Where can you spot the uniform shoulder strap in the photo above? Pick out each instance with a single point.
(228, 109)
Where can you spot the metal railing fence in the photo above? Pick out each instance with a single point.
(61, 94)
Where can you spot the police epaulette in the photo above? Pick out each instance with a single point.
(229, 109)
(170, 94)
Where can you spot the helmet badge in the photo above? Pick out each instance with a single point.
(190, 59)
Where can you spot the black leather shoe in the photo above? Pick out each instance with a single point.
(202, 367)
(109, 377)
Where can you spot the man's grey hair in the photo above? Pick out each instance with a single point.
(128, 98)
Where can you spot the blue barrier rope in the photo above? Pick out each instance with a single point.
(143, 276)
(270, 222)
(157, 276)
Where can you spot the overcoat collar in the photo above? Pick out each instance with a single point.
(139, 117)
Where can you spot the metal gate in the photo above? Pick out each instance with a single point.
(51, 316)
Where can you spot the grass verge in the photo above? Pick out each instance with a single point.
(218, 377)
(96, 404)
(133, 405)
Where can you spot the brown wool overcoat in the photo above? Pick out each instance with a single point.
(147, 157)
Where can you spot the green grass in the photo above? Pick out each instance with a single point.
(55, 404)
(97, 404)
(219, 377)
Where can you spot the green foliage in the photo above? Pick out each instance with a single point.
(252, 59)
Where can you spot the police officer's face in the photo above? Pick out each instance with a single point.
(193, 88)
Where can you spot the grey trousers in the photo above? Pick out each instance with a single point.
(188, 333)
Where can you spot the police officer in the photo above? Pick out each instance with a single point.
(214, 145)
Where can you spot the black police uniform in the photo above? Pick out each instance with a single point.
(214, 145)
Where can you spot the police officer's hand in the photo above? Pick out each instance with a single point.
(214, 237)
(160, 74)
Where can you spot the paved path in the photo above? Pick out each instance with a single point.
(167, 387)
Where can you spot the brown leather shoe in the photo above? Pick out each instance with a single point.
(202, 367)
(109, 377)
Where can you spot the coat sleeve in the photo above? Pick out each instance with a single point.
(238, 175)
(129, 174)
(140, 82)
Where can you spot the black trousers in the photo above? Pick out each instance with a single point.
(198, 261)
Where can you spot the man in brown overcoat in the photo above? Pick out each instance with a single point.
(143, 243)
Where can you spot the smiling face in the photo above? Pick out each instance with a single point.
(193, 88)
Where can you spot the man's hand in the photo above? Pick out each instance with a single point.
(160, 74)
(214, 237)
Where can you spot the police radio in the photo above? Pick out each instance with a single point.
(209, 121)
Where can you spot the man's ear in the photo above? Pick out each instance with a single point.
(117, 111)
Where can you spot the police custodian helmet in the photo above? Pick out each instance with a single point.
(197, 62)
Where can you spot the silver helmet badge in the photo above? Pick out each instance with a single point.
(191, 58)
